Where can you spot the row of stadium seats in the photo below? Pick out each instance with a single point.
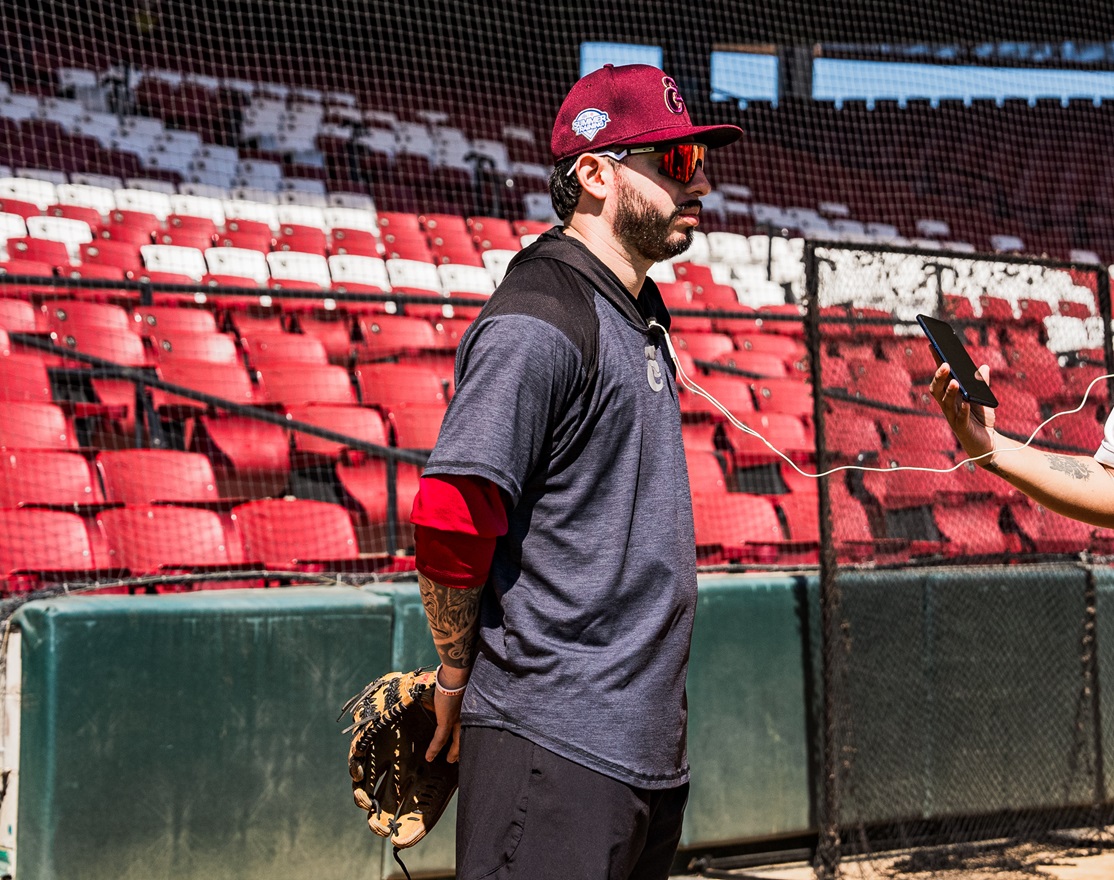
(339, 145)
(112, 539)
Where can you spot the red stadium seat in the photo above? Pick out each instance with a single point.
(358, 242)
(787, 395)
(243, 239)
(705, 472)
(40, 250)
(1018, 410)
(44, 546)
(1034, 368)
(881, 382)
(35, 477)
(17, 315)
(392, 385)
(35, 268)
(22, 208)
(760, 363)
(121, 347)
(917, 432)
(154, 319)
(705, 346)
(386, 336)
(785, 432)
(215, 348)
(265, 348)
(365, 484)
(155, 539)
(493, 233)
(293, 534)
(35, 425)
(676, 294)
(188, 236)
(913, 355)
(357, 422)
(851, 436)
(333, 329)
(733, 527)
(407, 247)
(910, 488)
(251, 458)
(131, 227)
(1045, 532)
(64, 316)
(230, 382)
(90, 216)
(145, 476)
(416, 426)
(302, 239)
(300, 382)
(733, 392)
(25, 378)
(973, 529)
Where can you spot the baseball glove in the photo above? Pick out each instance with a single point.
(393, 722)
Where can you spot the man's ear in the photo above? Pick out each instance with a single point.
(594, 174)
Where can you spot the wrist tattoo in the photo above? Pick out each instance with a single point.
(453, 615)
(1070, 465)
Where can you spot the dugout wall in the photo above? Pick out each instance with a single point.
(194, 735)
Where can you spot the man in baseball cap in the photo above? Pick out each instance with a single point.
(635, 115)
(553, 527)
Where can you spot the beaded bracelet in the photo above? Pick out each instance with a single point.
(448, 692)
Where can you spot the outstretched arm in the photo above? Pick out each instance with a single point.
(1076, 486)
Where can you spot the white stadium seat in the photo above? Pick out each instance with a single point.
(359, 270)
(294, 266)
(172, 258)
(238, 261)
(413, 273)
(157, 203)
(98, 198)
(465, 279)
(26, 189)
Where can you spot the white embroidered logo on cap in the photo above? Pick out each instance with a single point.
(590, 122)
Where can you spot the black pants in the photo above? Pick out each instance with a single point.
(526, 813)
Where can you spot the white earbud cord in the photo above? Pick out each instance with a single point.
(746, 429)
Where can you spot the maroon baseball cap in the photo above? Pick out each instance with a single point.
(633, 105)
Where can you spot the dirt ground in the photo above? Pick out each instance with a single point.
(1025, 863)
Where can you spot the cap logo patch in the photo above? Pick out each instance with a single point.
(590, 122)
(674, 103)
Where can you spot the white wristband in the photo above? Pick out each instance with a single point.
(448, 692)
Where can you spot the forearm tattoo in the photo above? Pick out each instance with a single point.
(452, 615)
(1069, 465)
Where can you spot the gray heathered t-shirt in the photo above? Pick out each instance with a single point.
(566, 400)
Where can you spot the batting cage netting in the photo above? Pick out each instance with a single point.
(241, 243)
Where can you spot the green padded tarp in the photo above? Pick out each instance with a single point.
(194, 736)
(961, 692)
(748, 744)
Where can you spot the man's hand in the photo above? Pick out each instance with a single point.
(447, 708)
(973, 424)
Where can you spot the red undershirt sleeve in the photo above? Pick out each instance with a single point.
(456, 521)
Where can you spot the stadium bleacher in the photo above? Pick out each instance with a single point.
(326, 254)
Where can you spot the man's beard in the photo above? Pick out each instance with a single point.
(645, 230)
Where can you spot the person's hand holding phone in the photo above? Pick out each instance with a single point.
(972, 423)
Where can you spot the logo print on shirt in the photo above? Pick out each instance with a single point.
(673, 100)
(653, 371)
(590, 122)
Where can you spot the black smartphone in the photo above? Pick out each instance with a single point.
(949, 348)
